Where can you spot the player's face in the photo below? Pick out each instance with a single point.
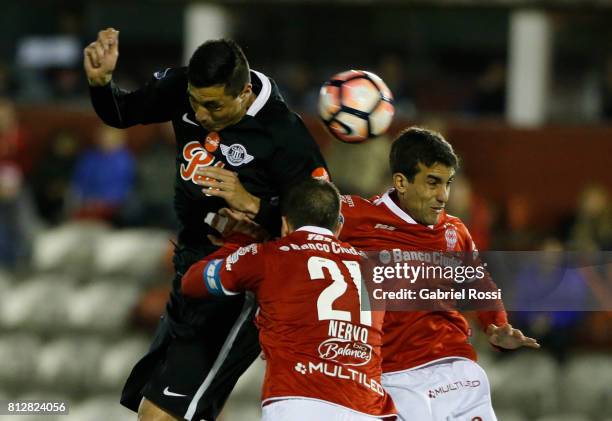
(425, 198)
(214, 109)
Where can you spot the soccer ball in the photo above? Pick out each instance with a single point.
(356, 105)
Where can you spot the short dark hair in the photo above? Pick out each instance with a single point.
(219, 62)
(417, 145)
(312, 202)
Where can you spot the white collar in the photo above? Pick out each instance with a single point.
(386, 200)
(263, 96)
(316, 230)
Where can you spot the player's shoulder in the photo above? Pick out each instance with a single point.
(253, 249)
(170, 83)
(453, 222)
(356, 205)
(355, 201)
(171, 76)
(269, 106)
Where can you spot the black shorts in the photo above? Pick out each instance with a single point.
(192, 366)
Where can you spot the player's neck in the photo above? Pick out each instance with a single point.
(394, 197)
(249, 101)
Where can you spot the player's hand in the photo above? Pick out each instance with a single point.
(509, 338)
(225, 184)
(228, 222)
(100, 57)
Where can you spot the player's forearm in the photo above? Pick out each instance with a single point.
(109, 102)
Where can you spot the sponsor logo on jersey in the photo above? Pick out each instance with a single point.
(211, 143)
(332, 247)
(300, 368)
(345, 352)
(451, 238)
(336, 371)
(435, 257)
(161, 74)
(384, 227)
(461, 384)
(196, 157)
(236, 154)
(233, 258)
(347, 344)
(384, 256)
(188, 121)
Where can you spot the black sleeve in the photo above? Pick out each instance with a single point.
(298, 155)
(155, 102)
(269, 216)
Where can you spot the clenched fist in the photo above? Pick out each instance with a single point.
(100, 57)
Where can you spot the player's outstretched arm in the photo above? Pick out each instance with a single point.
(507, 337)
(235, 227)
(100, 57)
(227, 271)
(155, 102)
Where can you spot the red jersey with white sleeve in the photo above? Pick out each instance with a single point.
(317, 342)
(413, 338)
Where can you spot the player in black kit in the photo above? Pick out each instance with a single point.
(224, 116)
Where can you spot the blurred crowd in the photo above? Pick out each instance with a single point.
(431, 72)
(73, 179)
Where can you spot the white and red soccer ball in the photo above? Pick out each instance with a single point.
(356, 105)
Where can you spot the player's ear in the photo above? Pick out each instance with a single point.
(400, 182)
(339, 225)
(248, 88)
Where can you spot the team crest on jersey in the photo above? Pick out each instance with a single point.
(236, 154)
(451, 238)
(196, 157)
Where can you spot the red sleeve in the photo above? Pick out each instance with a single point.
(350, 219)
(485, 318)
(220, 274)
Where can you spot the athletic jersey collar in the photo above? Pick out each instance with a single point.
(316, 230)
(262, 96)
(388, 201)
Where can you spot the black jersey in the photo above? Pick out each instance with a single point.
(270, 148)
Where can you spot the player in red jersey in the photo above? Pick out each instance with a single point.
(323, 353)
(428, 363)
